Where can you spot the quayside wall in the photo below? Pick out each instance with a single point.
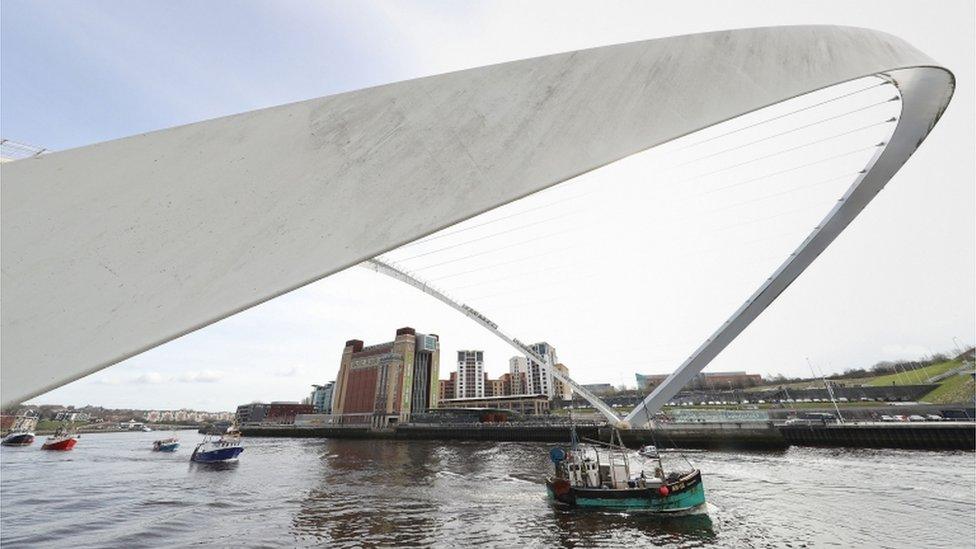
(719, 436)
(949, 435)
(713, 436)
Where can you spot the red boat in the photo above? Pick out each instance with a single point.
(61, 440)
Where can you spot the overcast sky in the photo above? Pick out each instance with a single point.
(623, 281)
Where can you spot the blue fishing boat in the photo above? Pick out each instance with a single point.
(225, 448)
(601, 475)
(166, 445)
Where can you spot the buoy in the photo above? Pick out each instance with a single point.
(663, 491)
(560, 486)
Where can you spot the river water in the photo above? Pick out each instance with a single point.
(112, 491)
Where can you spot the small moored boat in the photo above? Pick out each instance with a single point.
(166, 445)
(21, 432)
(601, 475)
(62, 439)
(18, 439)
(648, 451)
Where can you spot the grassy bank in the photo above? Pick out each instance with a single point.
(952, 390)
(957, 388)
(917, 376)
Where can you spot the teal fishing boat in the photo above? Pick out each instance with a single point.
(606, 476)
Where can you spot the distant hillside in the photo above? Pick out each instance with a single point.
(957, 386)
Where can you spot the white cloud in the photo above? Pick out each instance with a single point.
(203, 376)
(290, 371)
(107, 381)
(148, 378)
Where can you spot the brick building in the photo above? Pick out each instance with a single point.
(382, 384)
(561, 390)
(447, 386)
(285, 412)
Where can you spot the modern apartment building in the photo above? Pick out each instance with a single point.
(470, 374)
(321, 397)
(538, 377)
(254, 412)
(562, 390)
(497, 387)
(518, 368)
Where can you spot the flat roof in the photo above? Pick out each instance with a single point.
(453, 410)
(509, 397)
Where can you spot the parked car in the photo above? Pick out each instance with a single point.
(933, 417)
(900, 417)
(916, 417)
(887, 418)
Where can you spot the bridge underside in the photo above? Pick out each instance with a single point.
(112, 249)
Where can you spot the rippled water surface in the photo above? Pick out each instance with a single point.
(112, 491)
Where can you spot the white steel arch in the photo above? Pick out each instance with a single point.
(924, 95)
(112, 249)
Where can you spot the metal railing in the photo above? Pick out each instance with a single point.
(13, 150)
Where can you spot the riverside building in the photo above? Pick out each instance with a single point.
(497, 387)
(709, 381)
(254, 412)
(518, 369)
(529, 405)
(538, 377)
(471, 376)
(562, 390)
(321, 397)
(285, 412)
(382, 384)
(447, 386)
